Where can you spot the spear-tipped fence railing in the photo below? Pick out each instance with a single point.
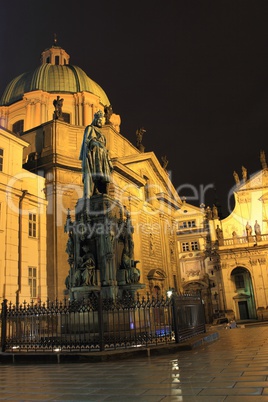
(97, 324)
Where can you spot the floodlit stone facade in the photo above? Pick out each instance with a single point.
(239, 245)
(197, 270)
(178, 246)
(22, 225)
(139, 181)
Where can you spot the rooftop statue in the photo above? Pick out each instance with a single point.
(263, 160)
(58, 103)
(108, 111)
(139, 137)
(164, 161)
(236, 177)
(96, 164)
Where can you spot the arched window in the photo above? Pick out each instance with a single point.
(18, 127)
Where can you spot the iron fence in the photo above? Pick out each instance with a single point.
(97, 324)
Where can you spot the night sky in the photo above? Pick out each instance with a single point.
(194, 74)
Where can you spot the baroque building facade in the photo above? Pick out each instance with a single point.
(49, 108)
(196, 268)
(238, 248)
(225, 260)
(23, 208)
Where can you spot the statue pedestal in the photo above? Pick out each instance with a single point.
(109, 292)
(100, 249)
(131, 289)
(82, 292)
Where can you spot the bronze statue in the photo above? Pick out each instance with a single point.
(96, 164)
(88, 264)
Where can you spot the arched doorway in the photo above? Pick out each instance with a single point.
(202, 288)
(156, 278)
(244, 300)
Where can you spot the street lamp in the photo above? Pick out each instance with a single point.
(169, 293)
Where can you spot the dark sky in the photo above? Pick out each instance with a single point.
(194, 74)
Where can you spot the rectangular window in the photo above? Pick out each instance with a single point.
(239, 281)
(187, 224)
(32, 281)
(32, 225)
(185, 247)
(194, 245)
(1, 159)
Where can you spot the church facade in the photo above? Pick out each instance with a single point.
(43, 115)
(49, 109)
(225, 260)
(238, 249)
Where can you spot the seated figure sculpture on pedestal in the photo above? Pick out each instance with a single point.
(96, 163)
(87, 266)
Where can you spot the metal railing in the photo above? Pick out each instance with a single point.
(97, 324)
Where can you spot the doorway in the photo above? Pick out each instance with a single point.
(243, 310)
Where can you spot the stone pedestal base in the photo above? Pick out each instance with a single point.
(82, 292)
(131, 289)
(109, 292)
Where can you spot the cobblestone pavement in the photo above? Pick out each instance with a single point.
(232, 369)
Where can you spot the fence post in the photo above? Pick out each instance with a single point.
(100, 319)
(175, 306)
(4, 325)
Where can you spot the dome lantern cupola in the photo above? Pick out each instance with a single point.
(33, 93)
(55, 55)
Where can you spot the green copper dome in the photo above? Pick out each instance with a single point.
(52, 78)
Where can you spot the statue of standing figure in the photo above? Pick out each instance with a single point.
(96, 164)
(164, 161)
(57, 103)
(139, 137)
(127, 260)
(257, 230)
(108, 111)
(249, 230)
(236, 177)
(219, 234)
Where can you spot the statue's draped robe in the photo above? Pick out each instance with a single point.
(96, 164)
